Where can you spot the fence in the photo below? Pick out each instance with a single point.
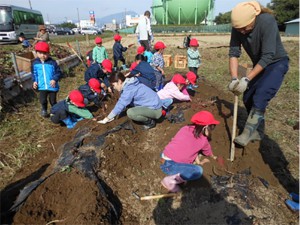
(222, 28)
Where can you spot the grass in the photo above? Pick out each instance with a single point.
(24, 134)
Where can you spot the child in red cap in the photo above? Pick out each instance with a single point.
(99, 51)
(194, 57)
(175, 89)
(92, 92)
(148, 54)
(184, 149)
(158, 64)
(118, 50)
(191, 79)
(45, 76)
(70, 110)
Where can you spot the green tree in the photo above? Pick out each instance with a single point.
(223, 18)
(285, 10)
(69, 25)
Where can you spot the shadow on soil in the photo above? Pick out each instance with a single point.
(270, 151)
(10, 193)
(199, 200)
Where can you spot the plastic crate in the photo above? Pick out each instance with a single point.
(180, 61)
(25, 60)
(168, 60)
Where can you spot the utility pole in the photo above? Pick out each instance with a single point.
(30, 4)
(78, 18)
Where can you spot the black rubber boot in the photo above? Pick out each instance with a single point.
(150, 123)
(254, 119)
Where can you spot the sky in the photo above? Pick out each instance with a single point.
(62, 10)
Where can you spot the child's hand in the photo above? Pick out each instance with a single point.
(162, 72)
(52, 83)
(35, 85)
(94, 119)
(109, 90)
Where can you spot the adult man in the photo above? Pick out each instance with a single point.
(143, 30)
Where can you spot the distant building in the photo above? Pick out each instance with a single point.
(111, 26)
(132, 20)
(292, 28)
(86, 23)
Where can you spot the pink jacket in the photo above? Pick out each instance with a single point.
(170, 90)
(184, 147)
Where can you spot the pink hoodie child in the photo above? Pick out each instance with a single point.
(175, 89)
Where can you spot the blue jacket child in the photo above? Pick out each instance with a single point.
(91, 92)
(70, 110)
(45, 76)
(100, 72)
(144, 72)
(118, 50)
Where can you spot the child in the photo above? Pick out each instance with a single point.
(174, 89)
(191, 80)
(24, 41)
(158, 64)
(70, 110)
(99, 52)
(118, 50)
(100, 72)
(194, 56)
(143, 71)
(148, 55)
(45, 76)
(146, 104)
(182, 151)
(91, 92)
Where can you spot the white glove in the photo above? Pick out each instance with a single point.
(242, 86)
(105, 120)
(233, 84)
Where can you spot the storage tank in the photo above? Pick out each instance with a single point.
(181, 11)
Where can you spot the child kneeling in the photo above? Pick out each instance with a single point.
(71, 110)
(182, 151)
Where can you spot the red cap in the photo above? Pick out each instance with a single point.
(204, 118)
(42, 47)
(159, 45)
(191, 76)
(194, 42)
(178, 79)
(95, 85)
(77, 98)
(133, 65)
(117, 37)
(140, 50)
(107, 64)
(98, 40)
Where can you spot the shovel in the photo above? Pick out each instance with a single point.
(235, 109)
(73, 50)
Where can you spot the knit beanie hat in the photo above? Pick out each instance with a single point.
(244, 13)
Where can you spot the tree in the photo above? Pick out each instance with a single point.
(285, 10)
(69, 25)
(223, 18)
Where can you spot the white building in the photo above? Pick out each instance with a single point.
(86, 23)
(132, 20)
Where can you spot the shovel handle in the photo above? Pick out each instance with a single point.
(235, 110)
(158, 196)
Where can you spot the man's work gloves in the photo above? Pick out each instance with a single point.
(237, 86)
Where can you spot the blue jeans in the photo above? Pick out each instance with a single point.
(187, 171)
(265, 85)
(166, 102)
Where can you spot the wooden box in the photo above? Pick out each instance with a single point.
(180, 61)
(25, 60)
(168, 60)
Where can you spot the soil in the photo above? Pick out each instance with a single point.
(129, 163)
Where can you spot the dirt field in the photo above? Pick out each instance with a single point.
(251, 190)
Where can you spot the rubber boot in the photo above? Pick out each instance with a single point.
(254, 119)
(259, 133)
(44, 113)
(171, 182)
(292, 205)
(150, 123)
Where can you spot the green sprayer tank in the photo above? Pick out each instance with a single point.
(182, 11)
